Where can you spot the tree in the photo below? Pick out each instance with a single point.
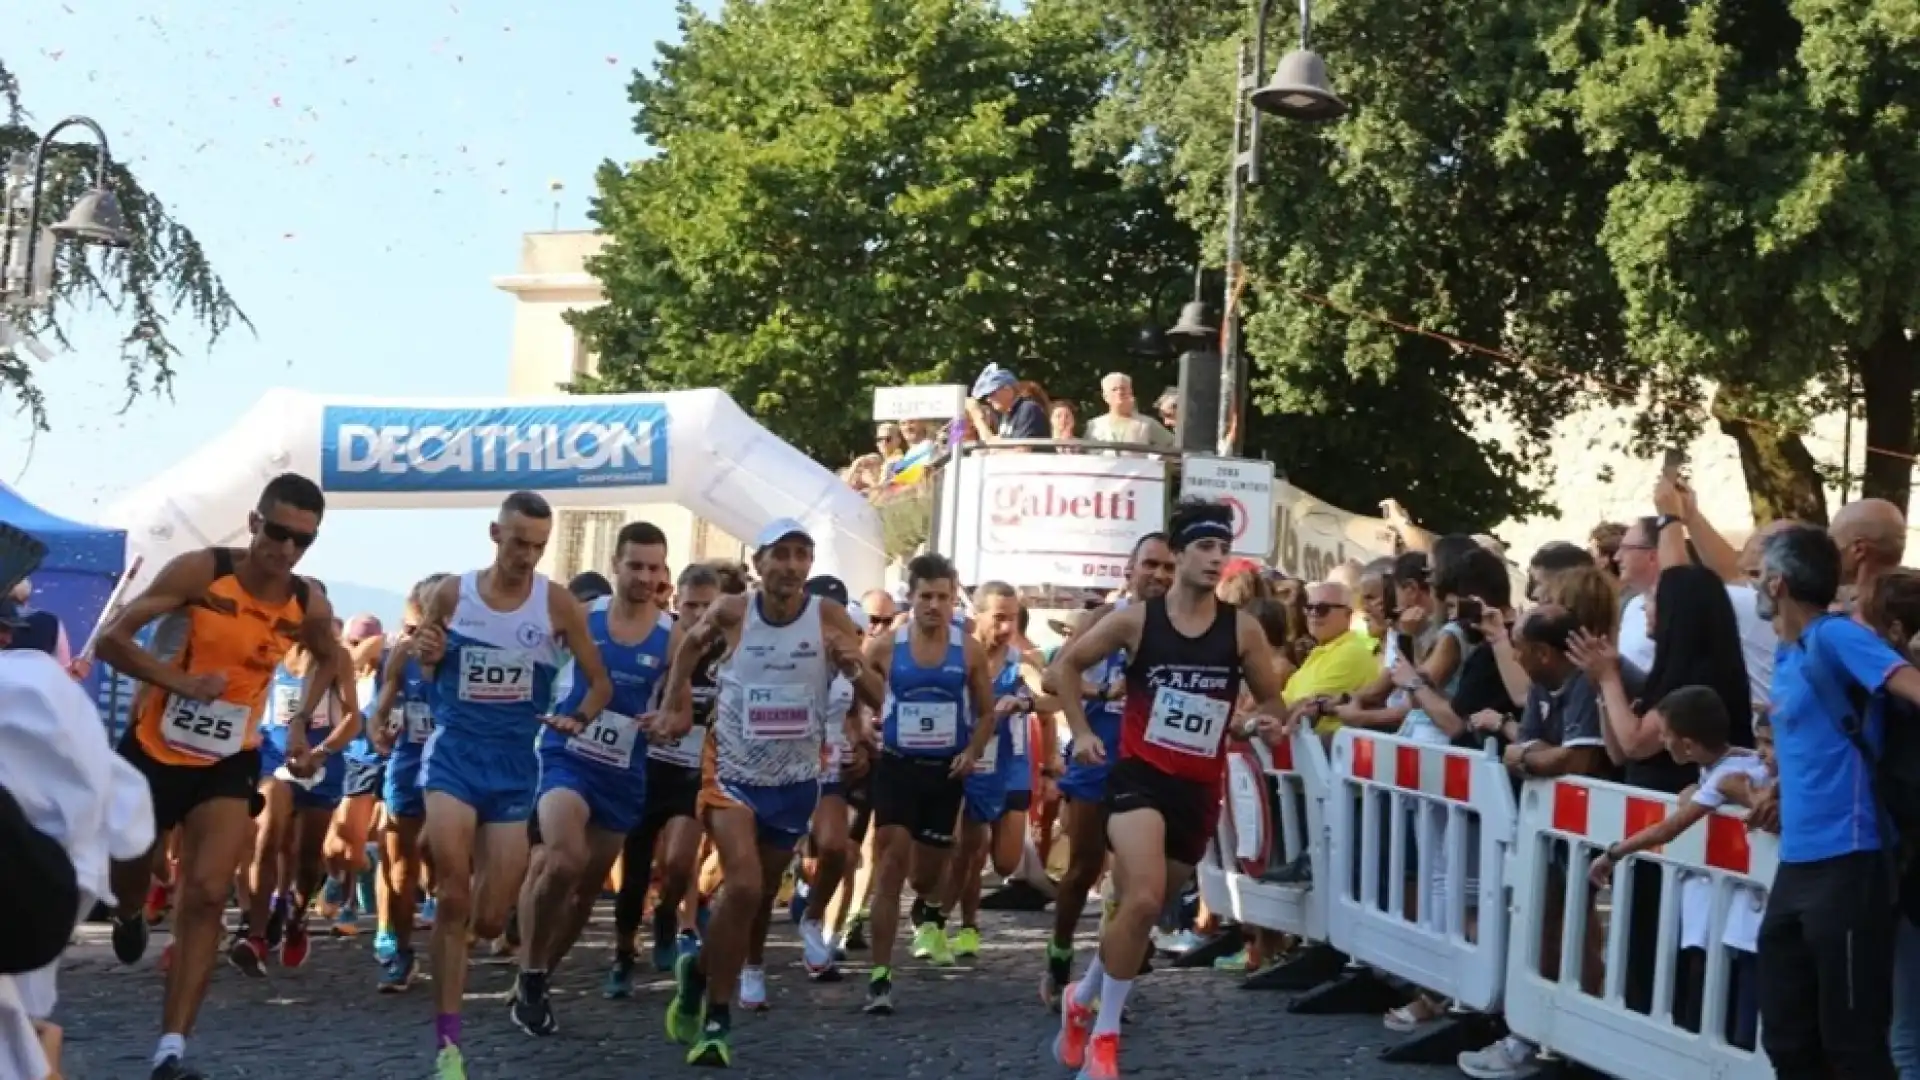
(161, 273)
(853, 193)
(1765, 228)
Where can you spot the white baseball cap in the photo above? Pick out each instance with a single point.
(779, 529)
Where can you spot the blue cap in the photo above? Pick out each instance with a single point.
(993, 378)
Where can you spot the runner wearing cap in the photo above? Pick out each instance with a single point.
(1187, 655)
(761, 767)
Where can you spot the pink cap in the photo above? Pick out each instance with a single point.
(362, 627)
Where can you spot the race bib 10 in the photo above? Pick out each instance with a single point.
(1187, 723)
(609, 740)
(495, 676)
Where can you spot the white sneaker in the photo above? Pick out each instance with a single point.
(1177, 943)
(816, 951)
(1504, 1060)
(753, 988)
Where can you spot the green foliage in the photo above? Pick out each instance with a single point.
(858, 193)
(144, 286)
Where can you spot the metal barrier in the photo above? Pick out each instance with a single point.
(1563, 824)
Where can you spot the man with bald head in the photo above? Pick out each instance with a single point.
(1341, 664)
(880, 609)
(1872, 537)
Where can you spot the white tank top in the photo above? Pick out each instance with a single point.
(767, 719)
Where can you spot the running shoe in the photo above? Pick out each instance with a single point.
(923, 940)
(665, 951)
(249, 955)
(173, 1069)
(295, 949)
(1076, 1027)
(753, 989)
(879, 993)
(423, 919)
(939, 950)
(688, 944)
(714, 1047)
(396, 973)
(449, 1065)
(619, 984)
(685, 1011)
(532, 1008)
(277, 920)
(159, 902)
(1103, 1058)
(333, 897)
(816, 952)
(966, 943)
(130, 937)
(348, 922)
(385, 944)
(363, 891)
(856, 937)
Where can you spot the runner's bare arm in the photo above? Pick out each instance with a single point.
(569, 620)
(1258, 672)
(1033, 672)
(326, 652)
(390, 678)
(842, 637)
(986, 718)
(871, 686)
(1116, 631)
(366, 651)
(179, 583)
(725, 615)
(431, 638)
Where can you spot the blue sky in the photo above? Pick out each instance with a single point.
(357, 171)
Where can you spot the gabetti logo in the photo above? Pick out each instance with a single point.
(503, 448)
(1021, 503)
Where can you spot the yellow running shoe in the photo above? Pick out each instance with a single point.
(714, 1048)
(939, 951)
(923, 940)
(966, 943)
(686, 1010)
(449, 1065)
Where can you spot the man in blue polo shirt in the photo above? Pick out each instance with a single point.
(1826, 955)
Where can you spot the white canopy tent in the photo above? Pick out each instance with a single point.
(694, 448)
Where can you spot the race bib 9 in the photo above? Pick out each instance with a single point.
(927, 725)
(779, 712)
(1187, 723)
(495, 676)
(609, 740)
(205, 729)
(684, 751)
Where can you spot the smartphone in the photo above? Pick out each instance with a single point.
(1403, 644)
(1675, 461)
(1468, 612)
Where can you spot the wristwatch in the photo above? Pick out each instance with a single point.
(1660, 523)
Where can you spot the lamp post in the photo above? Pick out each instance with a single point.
(94, 219)
(1299, 90)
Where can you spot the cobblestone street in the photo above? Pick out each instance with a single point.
(978, 1020)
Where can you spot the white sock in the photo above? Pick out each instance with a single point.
(171, 1046)
(1113, 999)
(1089, 985)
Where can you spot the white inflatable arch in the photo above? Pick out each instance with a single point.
(695, 448)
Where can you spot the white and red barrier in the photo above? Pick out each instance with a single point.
(1249, 841)
(1429, 868)
(1565, 823)
(1433, 818)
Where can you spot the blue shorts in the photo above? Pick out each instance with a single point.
(364, 777)
(401, 791)
(616, 798)
(986, 797)
(1018, 773)
(324, 795)
(783, 813)
(498, 778)
(1084, 783)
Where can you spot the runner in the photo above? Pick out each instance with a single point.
(848, 928)
(938, 719)
(226, 618)
(670, 824)
(761, 767)
(349, 890)
(828, 843)
(1187, 654)
(298, 794)
(990, 823)
(489, 641)
(593, 785)
(1083, 786)
(406, 701)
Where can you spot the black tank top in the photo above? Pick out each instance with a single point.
(1180, 694)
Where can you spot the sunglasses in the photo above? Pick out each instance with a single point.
(280, 534)
(1324, 610)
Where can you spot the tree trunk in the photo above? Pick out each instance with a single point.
(1889, 379)
(1781, 479)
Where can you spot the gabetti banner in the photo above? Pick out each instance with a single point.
(1055, 519)
(501, 448)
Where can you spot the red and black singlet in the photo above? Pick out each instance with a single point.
(1180, 694)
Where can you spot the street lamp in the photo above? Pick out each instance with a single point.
(1299, 90)
(94, 219)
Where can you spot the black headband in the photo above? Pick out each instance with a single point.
(1203, 529)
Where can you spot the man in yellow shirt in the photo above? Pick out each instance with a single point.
(1342, 661)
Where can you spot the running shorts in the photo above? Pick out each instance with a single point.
(918, 795)
(615, 798)
(324, 795)
(1190, 811)
(400, 789)
(497, 778)
(180, 789)
(365, 778)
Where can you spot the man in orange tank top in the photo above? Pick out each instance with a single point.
(225, 617)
